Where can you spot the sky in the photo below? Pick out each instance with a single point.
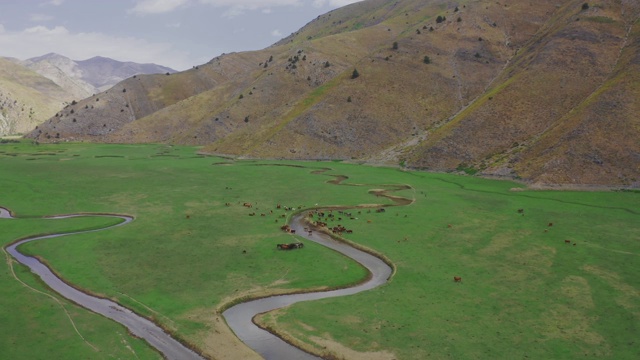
(179, 34)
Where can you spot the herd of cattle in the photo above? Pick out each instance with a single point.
(320, 219)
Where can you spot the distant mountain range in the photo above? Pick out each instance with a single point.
(547, 91)
(33, 90)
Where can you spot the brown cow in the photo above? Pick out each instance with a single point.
(567, 241)
(457, 279)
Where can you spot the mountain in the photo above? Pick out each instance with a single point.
(34, 90)
(91, 76)
(103, 72)
(545, 91)
(26, 98)
(64, 72)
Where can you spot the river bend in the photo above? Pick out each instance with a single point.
(137, 325)
(271, 347)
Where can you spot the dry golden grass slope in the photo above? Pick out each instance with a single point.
(544, 90)
(26, 98)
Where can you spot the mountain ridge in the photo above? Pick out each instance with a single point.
(500, 89)
(45, 84)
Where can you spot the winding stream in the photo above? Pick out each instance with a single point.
(269, 346)
(137, 325)
(239, 317)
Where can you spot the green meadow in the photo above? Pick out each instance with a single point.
(193, 247)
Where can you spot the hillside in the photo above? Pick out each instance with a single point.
(26, 98)
(64, 72)
(34, 90)
(83, 78)
(545, 91)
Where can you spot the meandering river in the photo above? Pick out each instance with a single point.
(269, 346)
(239, 317)
(137, 325)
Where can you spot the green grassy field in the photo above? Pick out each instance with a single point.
(525, 292)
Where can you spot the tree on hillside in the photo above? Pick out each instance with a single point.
(585, 6)
(395, 45)
(426, 60)
(440, 19)
(355, 74)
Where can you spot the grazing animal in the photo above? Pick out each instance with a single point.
(520, 211)
(567, 241)
(457, 279)
(290, 246)
(449, 225)
(550, 224)
(247, 205)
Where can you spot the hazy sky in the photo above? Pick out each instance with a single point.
(174, 33)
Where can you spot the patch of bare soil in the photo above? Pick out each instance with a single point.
(218, 341)
(343, 352)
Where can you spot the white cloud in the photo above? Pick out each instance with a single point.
(174, 25)
(40, 17)
(1, 28)
(52, 2)
(252, 4)
(46, 32)
(334, 3)
(276, 33)
(239, 7)
(144, 7)
(39, 40)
